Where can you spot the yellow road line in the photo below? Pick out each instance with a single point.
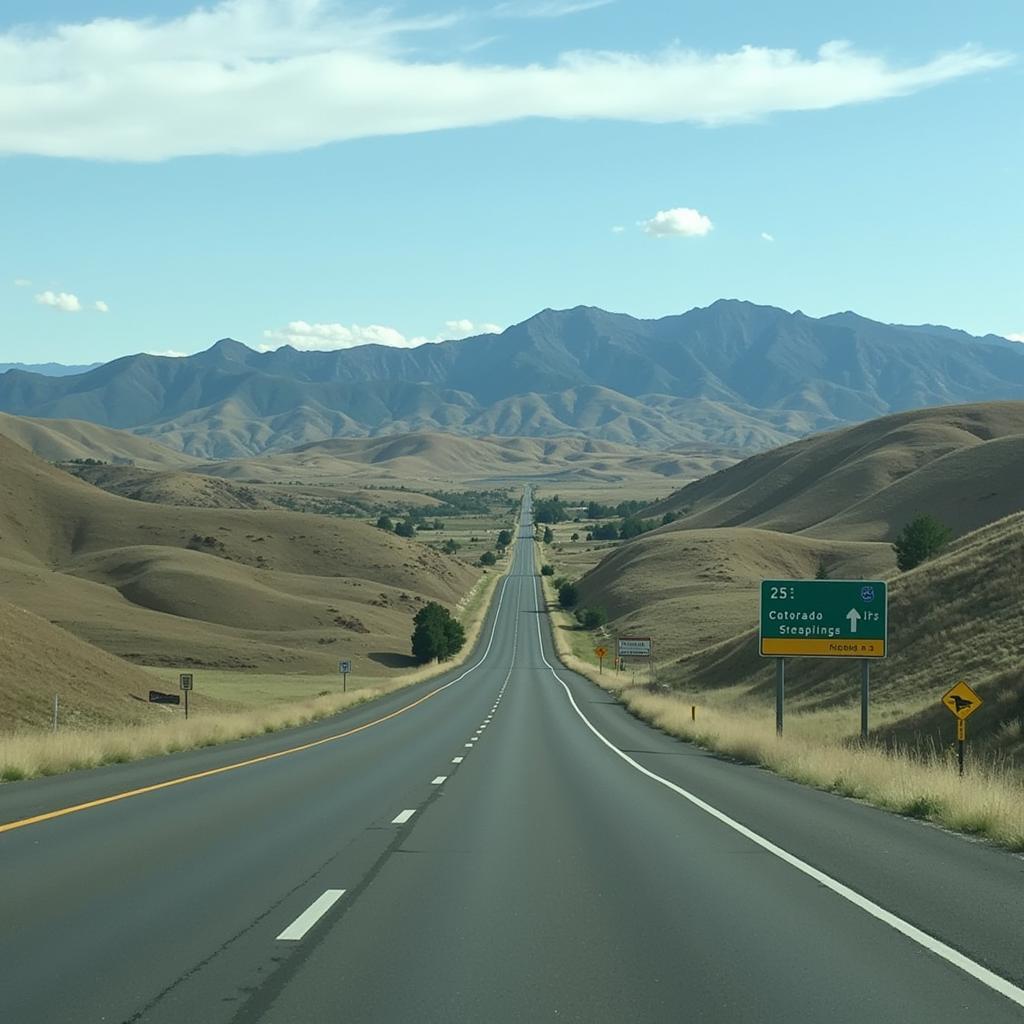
(75, 808)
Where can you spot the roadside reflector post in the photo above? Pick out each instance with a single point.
(780, 692)
(865, 695)
(56, 710)
(961, 735)
(693, 712)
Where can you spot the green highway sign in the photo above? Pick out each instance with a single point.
(823, 618)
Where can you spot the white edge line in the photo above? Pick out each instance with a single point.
(403, 816)
(923, 939)
(309, 917)
(439, 780)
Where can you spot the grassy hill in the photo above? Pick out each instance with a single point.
(691, 588)
(220, 588)
(963, 464)
(65, 440)
(831, 503)
(38, 660)
(957, 617)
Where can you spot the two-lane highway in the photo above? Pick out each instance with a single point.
(502, 844)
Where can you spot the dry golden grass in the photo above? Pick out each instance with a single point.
(31, 754)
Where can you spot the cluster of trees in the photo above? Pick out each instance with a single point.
(436, 634)
(624, 509)
(407, 527)
(630, 527)
(550, 510)
(569, 599)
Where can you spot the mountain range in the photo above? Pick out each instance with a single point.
(733, 376)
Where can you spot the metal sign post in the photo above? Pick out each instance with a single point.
(601, 652)
(823, 619)
(185, 684)
(344, 667)
(780, 692)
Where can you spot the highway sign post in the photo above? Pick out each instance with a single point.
(185, 685)
(823, 619)
(640, 647)
(601, 653)
(962, 702)
(344, 667)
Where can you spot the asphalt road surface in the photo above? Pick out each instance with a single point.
(502, 844)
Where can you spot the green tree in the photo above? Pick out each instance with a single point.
(575, 537)
(606, 531)
(921, 539)
(568, 595)
(548, 535)
(436, 634)
(450, 547)
(591, 618)
(406, 528)
(384, 523)
(547, 569)
(669, 517)
(487, 558)
(504, 539)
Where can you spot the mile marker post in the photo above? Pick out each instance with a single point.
(185, 683)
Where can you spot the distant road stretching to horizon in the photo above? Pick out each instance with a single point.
(502, 844)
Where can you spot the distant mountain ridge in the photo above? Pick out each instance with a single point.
(49, 369)
(733, 374)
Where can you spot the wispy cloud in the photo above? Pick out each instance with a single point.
(65, 302)
(682, 222)
(767, 237)
(547, 8)
(310, 337)
(22, 282)
(256, 76)
(1016, 337)
(169, 353)
(100, 306)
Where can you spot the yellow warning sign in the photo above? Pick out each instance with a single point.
(601, 652)
(962, 700)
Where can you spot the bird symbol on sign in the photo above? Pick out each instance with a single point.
(960, 703)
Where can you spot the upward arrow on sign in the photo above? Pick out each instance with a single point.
(854, 616)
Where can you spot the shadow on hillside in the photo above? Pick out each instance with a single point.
(389, 659)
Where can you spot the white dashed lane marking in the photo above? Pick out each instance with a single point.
(311, 915)
(403, 817)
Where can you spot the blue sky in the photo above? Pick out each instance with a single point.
(327, 173)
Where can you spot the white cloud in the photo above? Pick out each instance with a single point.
(547, 8)
(1016, 337)
(63, 301)
(681, 222)
(169, 354)
(100, 306)
(22, 282)
(618, 229)
(767, 237)
(309, 337)
(256, 76)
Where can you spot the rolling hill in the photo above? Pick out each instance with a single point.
(733, 374)
(963, 464)
(956, 617)
(220, 588)
(832, 502)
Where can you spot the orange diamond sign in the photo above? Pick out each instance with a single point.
(601, 652)
(962, 701)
